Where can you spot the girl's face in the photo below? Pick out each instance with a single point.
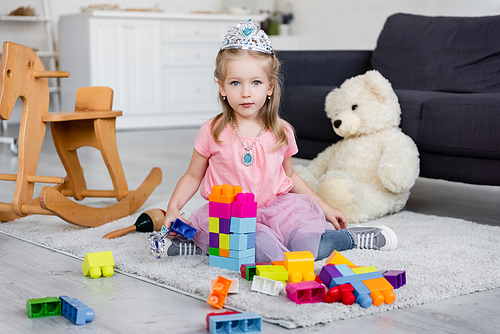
(246, 86)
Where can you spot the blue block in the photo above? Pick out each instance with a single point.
(354, 278)
(251, 240)
(76, 311)
(362, 294)
(238, 241)
(344, 270)
(229, 263)
(243, 225)
(183, 229)
(245, 322)
(241, 254)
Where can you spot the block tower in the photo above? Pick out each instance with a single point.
(232, 222)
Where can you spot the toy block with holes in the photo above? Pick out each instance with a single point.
(76, 311)
(245, 322)
(367, 285)
(397, 278)
(43, 307)
(267, 286)
(231, 237)
(299, 264)
(248, 270)
(305, 292)
(277, 272)
(214, 314)
(97, 264)
(233, 288)
(219, 292)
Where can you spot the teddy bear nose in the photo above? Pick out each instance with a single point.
(337, 123)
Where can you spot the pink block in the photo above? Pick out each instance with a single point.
(244, 206)
(219, 210)
(305, 292)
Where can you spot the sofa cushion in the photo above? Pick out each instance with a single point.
(451, 54)
(303, 107)
(411, 102)
(461, 125)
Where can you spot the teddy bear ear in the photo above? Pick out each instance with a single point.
(329, 101)
(379, 85)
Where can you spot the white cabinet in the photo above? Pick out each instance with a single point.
(160, 66)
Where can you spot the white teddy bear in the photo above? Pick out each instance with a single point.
(369, 173)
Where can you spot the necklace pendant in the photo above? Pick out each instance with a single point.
(247, 158)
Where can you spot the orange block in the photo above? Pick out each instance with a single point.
(382, 291)
(225, 193)
(219, 292)
(337, 258)
(223, 252)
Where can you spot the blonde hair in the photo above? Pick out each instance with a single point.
(269, 113)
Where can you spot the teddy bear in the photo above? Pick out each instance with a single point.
(369, 173)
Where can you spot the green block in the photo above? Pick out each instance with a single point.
(43, 307)
(213, 251)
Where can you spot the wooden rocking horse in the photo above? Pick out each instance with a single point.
(91, 124)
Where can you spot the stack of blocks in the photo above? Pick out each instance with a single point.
(232, 223)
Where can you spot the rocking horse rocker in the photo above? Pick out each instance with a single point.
(91, 124)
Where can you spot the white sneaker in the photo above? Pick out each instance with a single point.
(374, 237)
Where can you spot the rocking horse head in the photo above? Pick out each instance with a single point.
(23, 76)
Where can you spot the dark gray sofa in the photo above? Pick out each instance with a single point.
(446, 74)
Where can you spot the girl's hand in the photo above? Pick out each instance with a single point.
(336, 218)
(170, 218)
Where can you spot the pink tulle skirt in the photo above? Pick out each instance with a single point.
(292, 222)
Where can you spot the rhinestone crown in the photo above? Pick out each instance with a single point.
(247, 36)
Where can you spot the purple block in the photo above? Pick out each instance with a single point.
(327, 273)
(397, 278)
(213, 240)
(224, 225)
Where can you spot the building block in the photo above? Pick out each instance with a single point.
(183, 229)
(243, 225)
(363, 270)
(305, 292)
(242, 253)
(277, 273)
(381, 291)
(238, 241)
(224, 252)
(229, 263)
(354, 278)
(337, 258)
(43, 307)
(244, 206)
(219, 292)
(213, 240)
(362, 294)
(248, 270)
(95, 264)
(397, 278)
(213, 251)
(327, 273)
(251, 240)
(245, 322)
(219, 210)
(225, 193)
(300, 266)
(224, 225)
(213, 224)
(345, 270)
(214, 314)
(233, 288)
(76, 311)
(223, 241)
(267, 286)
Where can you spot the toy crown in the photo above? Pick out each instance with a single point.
(247, 36)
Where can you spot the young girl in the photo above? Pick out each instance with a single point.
(249, 145)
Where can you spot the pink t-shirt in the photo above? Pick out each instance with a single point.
(265, 178)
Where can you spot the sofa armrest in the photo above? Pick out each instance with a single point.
(330, 68)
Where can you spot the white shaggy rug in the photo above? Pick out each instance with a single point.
(443, 258)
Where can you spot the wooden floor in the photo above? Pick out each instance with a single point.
(125, 304)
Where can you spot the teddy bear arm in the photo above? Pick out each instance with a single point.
(399, 166)
(319, 165)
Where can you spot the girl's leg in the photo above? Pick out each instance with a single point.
(339, 240)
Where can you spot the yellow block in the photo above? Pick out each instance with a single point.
(223, 241)
(213, 224)
(337, 258)
(277, 273)
(300, 266)
(95, 264)
(364, 270)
